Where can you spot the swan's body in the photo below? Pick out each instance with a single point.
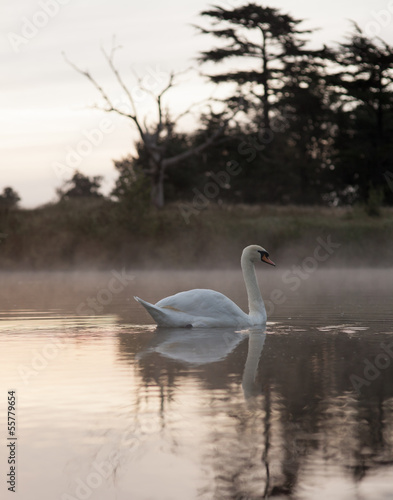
(197, 308)
(207, 308)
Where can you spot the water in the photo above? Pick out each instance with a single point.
(108, 407)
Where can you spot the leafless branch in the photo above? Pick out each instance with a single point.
(109, 58)
(156, 146)
(87, 75)
(110, 106)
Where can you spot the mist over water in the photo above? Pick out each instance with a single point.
(301, 409)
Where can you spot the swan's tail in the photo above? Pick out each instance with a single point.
(165, 317)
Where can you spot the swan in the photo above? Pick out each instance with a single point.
(206, 308)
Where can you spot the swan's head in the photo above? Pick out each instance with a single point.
(256, 253)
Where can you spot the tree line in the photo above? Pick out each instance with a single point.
(305, 125)
(302, 126)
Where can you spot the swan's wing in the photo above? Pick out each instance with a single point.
(166, 316)
(203, 303)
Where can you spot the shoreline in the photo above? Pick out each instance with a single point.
(98, 235)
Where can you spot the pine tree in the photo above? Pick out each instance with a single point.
(364, 150)
(267, 41)
(277, 80)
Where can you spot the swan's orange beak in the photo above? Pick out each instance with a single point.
(267, 260)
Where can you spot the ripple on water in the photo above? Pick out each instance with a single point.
(214, 414)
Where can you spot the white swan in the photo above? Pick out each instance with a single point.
(207, 308)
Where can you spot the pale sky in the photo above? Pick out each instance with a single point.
(46, 115)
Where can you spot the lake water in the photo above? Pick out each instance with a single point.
(109, 407)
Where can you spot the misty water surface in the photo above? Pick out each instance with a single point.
(109, 407)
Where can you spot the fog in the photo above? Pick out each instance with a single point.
(90, 293)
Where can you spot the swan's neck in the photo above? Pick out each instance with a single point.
(256, 305)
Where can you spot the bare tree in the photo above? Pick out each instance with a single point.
(155, 136)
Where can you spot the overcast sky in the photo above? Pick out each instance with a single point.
(46, 107)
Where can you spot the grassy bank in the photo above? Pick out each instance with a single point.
(98, 234)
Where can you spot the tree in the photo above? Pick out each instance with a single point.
(189, 173)
(131, 187)
(9, 199)
(263, 34)
(81, 186)
(285, 96)
(364, 150)
(156, 137)
(305, 100)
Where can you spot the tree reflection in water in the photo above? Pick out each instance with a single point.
(276, 410)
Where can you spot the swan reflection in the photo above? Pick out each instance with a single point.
(256, 341)
(206, 345)
(198, 347)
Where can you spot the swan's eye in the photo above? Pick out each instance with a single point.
(265, 258)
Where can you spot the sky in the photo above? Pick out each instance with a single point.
(49, 124)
